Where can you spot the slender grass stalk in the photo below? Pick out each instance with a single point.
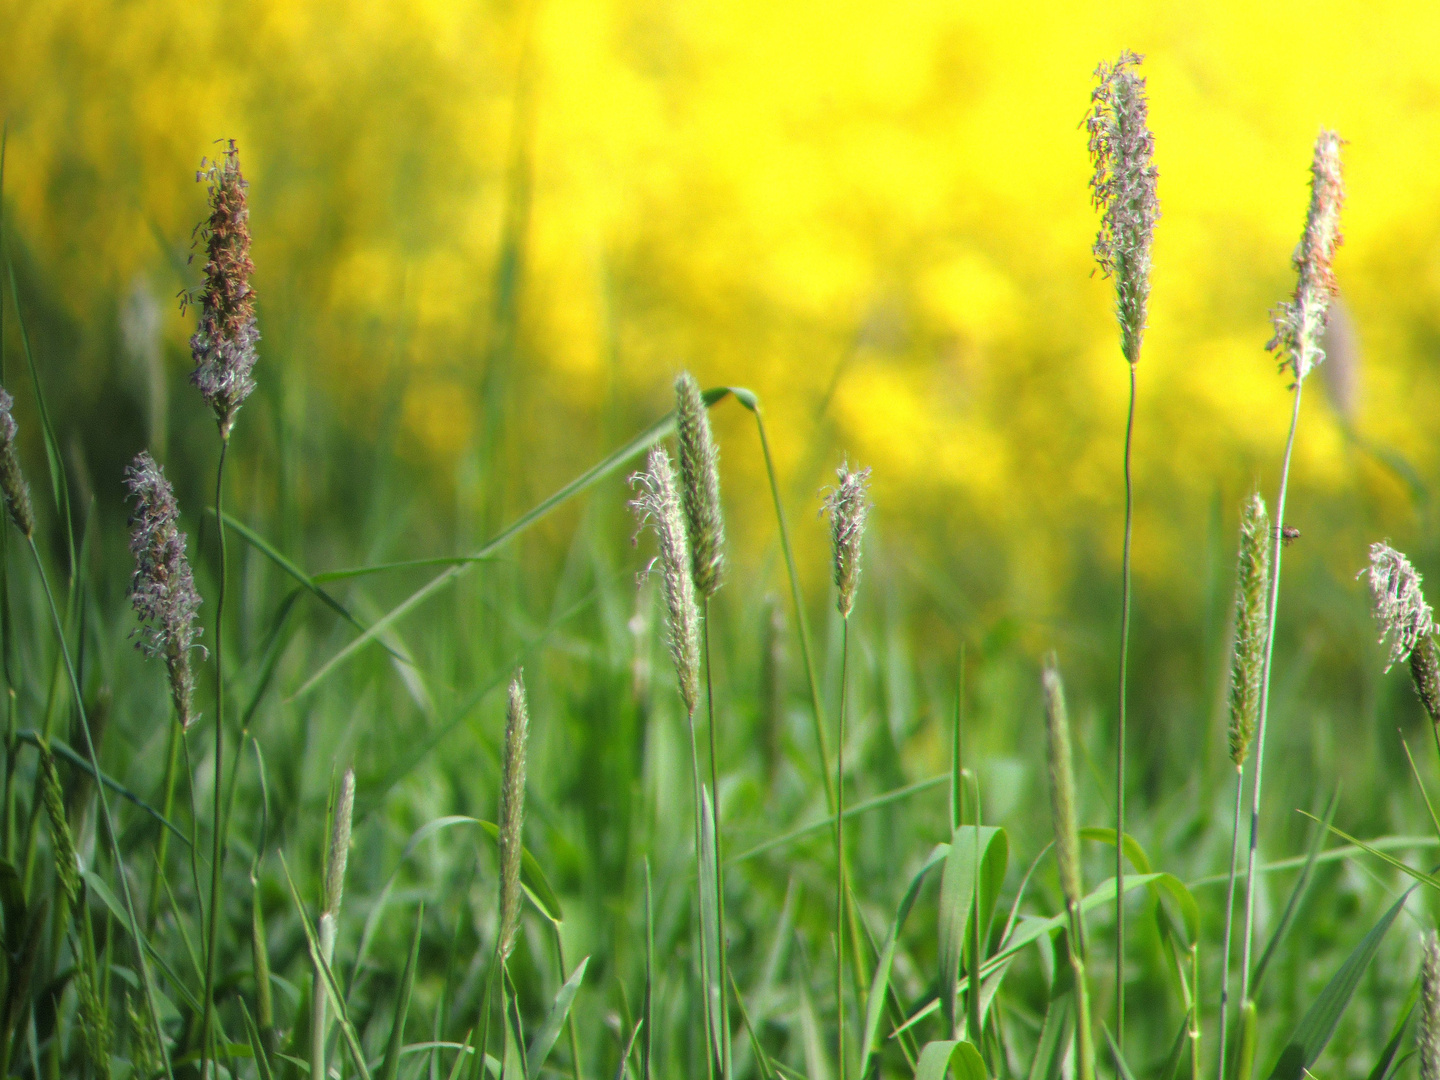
(1122, 149)
(1298, 327)
(840, 854)
(721, 961)
(217, 848)
(333, 891)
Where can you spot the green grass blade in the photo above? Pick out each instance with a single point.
(1390, 860)
(257, 1048)
(1297, 893)
(384, 568)
(955, 1057)
(1385, 1063)
(1122, 1067)
(647, 1005)
(1318, 1024)
(762, 1059)
(710, 943)
(629, 1047)
(1171, 1068)
(591, 476)
(390, 1067)
(880, 983)
(1054, 1037)
(975, 855)
(544, 1039)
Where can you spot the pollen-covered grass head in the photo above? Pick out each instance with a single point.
(162, 588)
(1405, 618)
(1300, 321)
(12, 481)
(699, 485)
(847, 506)
(223, 344)
(657, 504)
(1123, 188)
(1252, 583)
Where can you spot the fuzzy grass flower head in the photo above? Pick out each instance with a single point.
(657, 504)
(223, 344)
(699, 485)
(1252, 581)
(1405, 618)
(1300, 321)
(162, 589)
(12, 481)
(1123, 188)
(847, 507)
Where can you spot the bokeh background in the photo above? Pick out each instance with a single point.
(487, 236)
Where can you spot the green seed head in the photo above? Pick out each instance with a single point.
(699, 485)
(67, 868)
(1425, 670)
(339, 845)
(12, 480)
(1062, 782)
(1429, 1039)
(847, 508)
(512, 812)
(1252, 584)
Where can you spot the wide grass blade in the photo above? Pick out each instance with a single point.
(977, 860)
(1297, 893)
(544, 1039)
(1318, 1024)
(955, 1057)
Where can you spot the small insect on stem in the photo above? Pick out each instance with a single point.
(1289, 534)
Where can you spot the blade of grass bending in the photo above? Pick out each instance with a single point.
(879, 984)
(850, 811)
(1369, 849)
(1430, 808)
(1297, 893)
(307, 581)
(390, 1067)
(1335, 854)
(544, 1039)
(591, 476)
(629, 1046)
(384, 568)
(61, 750)
(762, 1059)
(1318, 1024)
(948, 1057)
(332, 989)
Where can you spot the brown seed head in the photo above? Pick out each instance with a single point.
(224, 341)
(12, 480)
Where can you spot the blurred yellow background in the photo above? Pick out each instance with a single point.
(875, 215)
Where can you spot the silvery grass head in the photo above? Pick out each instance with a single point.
(224, 341)
(657, 504)
(1300, 321)
(162, 589)
(12, 480)
(1122, 149)
(1407, 621)
(846, 507)
(338, 857)
(699, 485)
(1252, 583)
(1429, 1038)
(512, 811)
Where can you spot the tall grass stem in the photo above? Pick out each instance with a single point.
(1229, 921)
(1120, 727)
(1277, 532)
(840, 856)
(720, 960)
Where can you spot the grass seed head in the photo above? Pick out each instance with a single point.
(1425, 671)
(1123, 188)
(1252, 584)
(512, 812)
(1429, 1006)
(339, 853)
(1405, 618)
(67, 868)
(699, 485)
(162, 589)
(657, 504)
(1300, 321)
(847, 507)
(1062, 782)
(223, 344)
(12, 480)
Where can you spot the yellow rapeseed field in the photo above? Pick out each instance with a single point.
(875, 215)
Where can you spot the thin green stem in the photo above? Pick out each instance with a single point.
(167, 807)
(212, 922)
(840, 857)
(110, 831)
(1271, 608)
(1120, 728)
(1229, 921)
(720, 959)
(700, 886)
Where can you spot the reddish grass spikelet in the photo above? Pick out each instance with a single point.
(223, 344)
(1123, 188)
(162, 588)
(1300, 321)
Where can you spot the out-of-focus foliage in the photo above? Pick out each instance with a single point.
(874, 215)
